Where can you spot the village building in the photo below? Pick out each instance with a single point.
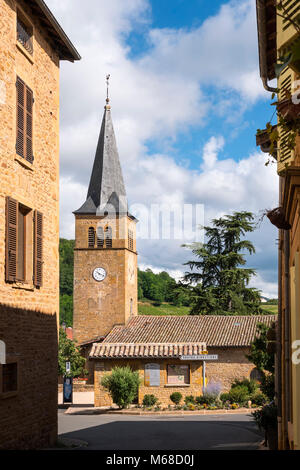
(179, 353)
(182, 353)
(32, 46)
(279, 46)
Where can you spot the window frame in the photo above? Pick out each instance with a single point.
(179, 384)
(12, 393)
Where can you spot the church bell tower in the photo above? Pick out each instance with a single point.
(105, 257)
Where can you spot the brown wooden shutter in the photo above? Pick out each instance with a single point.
(28, 117)
(38, 249)
(11, 239)
(20, 145)
(24, 120)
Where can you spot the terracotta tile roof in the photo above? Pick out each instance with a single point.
(145, 350)
(218, 331)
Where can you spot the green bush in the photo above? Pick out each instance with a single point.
(122, 385)
(239, 394)
(251, 385)
(149, 400)
(225, 397)
(176, 397)
(266, 417)
(189, 399)
(200, 400)
(267, 386)
(258, 399)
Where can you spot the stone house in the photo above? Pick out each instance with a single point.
(32, 46)
(279, 36)
(164, 350)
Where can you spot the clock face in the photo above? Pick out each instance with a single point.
(99, 274)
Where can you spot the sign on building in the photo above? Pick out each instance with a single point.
(152, 375)
(200, 357)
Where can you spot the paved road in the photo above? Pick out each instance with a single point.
(107, 432)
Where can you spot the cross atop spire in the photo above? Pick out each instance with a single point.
(107, 86)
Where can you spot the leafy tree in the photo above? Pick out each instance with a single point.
(66, 261)
(263, 360)
(69, 352)
(122, 384)
(217, 278)
(66, 309)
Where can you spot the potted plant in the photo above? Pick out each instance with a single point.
(267, 138)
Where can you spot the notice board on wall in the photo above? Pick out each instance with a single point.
(178, 374)
(152, 375)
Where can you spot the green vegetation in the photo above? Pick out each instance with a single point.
(122, 385)
(66, 260)
(161, 288)
(149, 400)
(217, 279)
(269, 308)
(69, 352)
(264, 359)
(176, 397)
(147, 308)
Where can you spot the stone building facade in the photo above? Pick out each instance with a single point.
(171, 346)
(32, 45)
(279, 36)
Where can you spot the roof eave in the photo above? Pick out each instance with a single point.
(68, 51)
(265, 47)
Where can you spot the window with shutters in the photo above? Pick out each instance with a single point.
(108, 237)
(100, 237)
(24, 239)
(24, 146)
(24, 33)
(91, 237)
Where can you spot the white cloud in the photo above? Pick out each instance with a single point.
(159, 96)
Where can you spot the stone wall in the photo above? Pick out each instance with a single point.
(99, 306)
(29, 417)
(232, 364)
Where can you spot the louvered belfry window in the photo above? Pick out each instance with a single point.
(108, 237)
(130, 240)
(100, 237)
(24, 120)
(91, 237)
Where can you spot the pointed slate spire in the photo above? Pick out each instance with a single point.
(106, 189)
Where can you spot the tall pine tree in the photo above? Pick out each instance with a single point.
(218, 279)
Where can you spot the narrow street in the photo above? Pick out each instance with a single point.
(107, 432)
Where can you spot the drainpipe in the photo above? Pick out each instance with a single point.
(278, 357)
(287, 328)
(203, 375)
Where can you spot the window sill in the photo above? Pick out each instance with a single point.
(24, 162)
(177, 385)
(23, 285)
(5, 395)
(26, 53)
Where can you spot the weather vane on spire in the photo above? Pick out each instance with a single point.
(107, 85)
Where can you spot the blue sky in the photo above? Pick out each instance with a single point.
(186, 102)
